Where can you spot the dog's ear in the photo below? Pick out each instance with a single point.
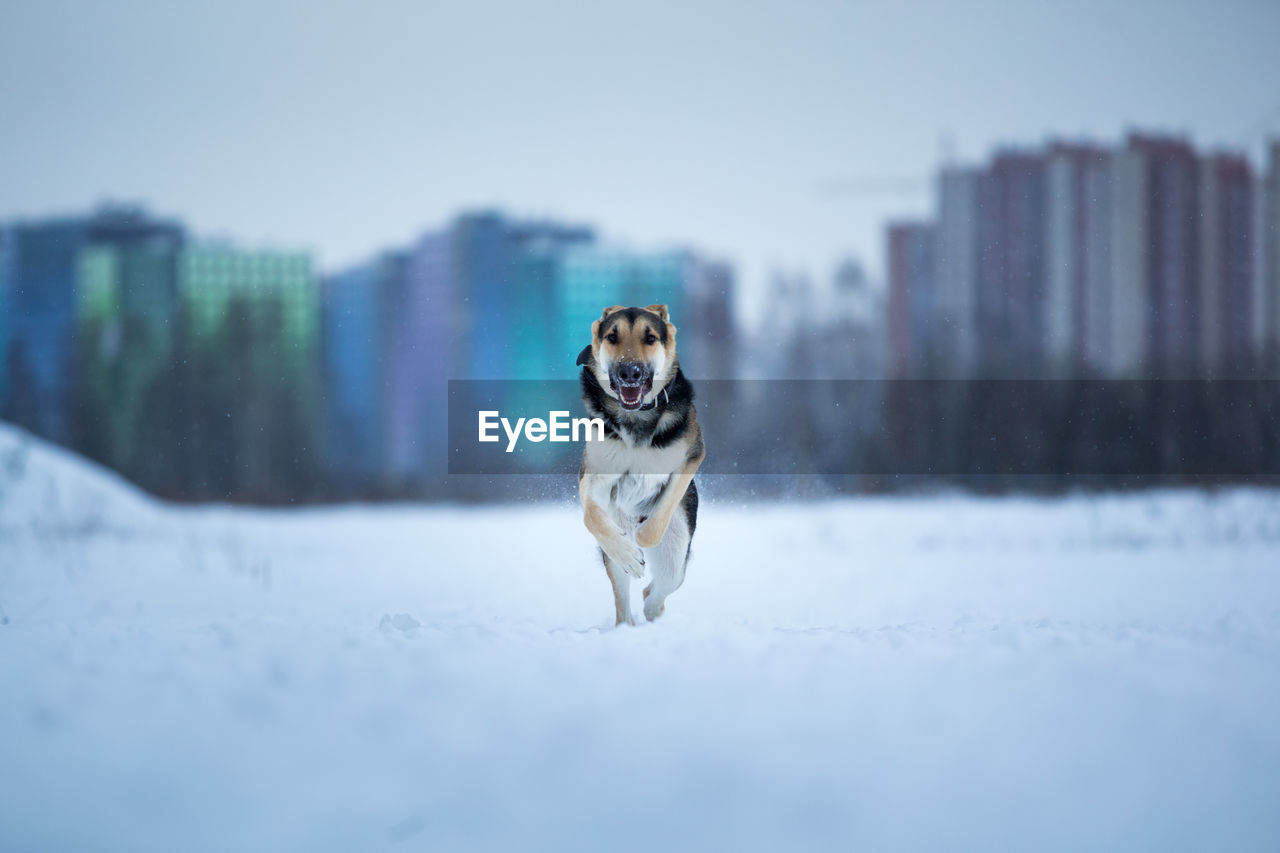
(611, 309)
(584, 357)
(661, 311)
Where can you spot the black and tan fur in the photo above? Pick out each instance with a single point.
(638, 496)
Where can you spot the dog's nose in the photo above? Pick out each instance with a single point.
(630, 372)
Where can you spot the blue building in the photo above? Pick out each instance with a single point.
(42, 268)
(482, 273)
(475, 300)
(502, 274)
(423, 341)
(590, 278)
(358, 311)
(4, 324)
(537, 252)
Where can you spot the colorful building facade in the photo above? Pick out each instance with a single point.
(589, 279)
(41, 271)
(126, 332)
(251, 327)
(357, 318)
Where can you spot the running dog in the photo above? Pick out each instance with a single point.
(632, 483)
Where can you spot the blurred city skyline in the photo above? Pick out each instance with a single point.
(342, 132)
(207, 370)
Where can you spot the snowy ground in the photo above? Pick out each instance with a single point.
(949, 672)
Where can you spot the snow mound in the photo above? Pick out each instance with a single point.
(46, 489)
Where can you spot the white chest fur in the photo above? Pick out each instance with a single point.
(628, 479)
(633, 494)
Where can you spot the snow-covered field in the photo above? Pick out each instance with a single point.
(899, 673)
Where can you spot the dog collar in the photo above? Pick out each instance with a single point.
(666, 398)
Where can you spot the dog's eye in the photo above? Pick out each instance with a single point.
(651, 338)
(612, 337)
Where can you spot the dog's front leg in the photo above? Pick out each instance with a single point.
(621, 583)
(622, 551)
(655, 527)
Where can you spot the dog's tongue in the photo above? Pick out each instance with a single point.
(631, 394)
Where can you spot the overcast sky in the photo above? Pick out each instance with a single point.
(345, 128)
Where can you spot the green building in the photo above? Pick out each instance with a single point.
(125, 334)
(251, 323)
(267, 298)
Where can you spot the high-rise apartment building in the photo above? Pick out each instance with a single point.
(126, 305)
(1143, 260)
(251, 322)
(708, 322)
(1225, 307)
(1012, 240)
(1072, 224)
(42, 267)
(958, 269)
(912, 301)
(535, 252)
(1265, 326)
(591, 278)
(358, 317)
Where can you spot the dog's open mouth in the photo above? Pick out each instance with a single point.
(630, 395)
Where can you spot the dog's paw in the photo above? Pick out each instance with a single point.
(648, 535)
(629, 559)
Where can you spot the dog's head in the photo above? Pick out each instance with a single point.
(632, 353)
